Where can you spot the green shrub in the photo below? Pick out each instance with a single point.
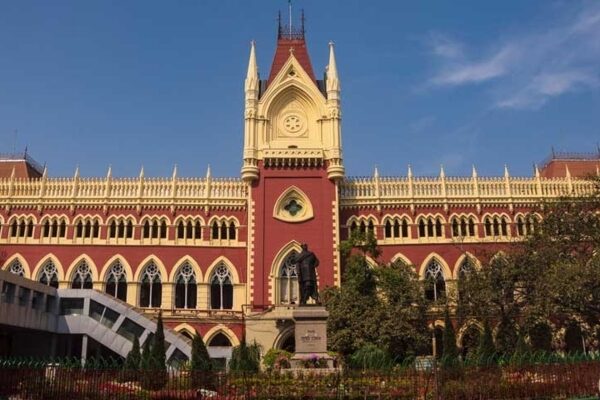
(371, 357)
(277, 359)
(245, 358)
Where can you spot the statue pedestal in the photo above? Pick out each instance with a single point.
(311, 337)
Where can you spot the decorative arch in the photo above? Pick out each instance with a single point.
(108, 264)
(465, 327)
(279, 92)
(157, 261)
(220, 328)
(283, 336)
(461, 259)
(189, 217)
(185, 327)
(189, 259)
(430, 215)
(445, 268)
(281, 255)
(293, 205)
(370, 262)
(23, 217)
(156, 217)
(43, 261)
(401, 257)
(22, 260)
(232, 269)
(84, 257)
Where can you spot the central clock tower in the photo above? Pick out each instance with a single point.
(292, 163)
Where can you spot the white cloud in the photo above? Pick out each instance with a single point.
(547, 85)
(526, 71)
(445, 47)
(480, 71)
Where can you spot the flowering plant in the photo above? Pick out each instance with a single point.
(314, 361)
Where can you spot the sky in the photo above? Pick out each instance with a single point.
(426, 83)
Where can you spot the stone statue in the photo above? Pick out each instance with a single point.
(306, 263)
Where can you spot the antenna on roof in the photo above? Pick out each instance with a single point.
(290, 11)
(302, 22)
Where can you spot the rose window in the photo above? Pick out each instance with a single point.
(292, 124)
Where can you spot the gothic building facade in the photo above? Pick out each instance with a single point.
(215, 255)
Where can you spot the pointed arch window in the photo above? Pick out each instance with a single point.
(219, 340)
(49, 275)
(189, 232)
(388, 229)
(185, 287)
(46, 230)
(288, 280)
(150, 287)
(17, 268)
(116, 282)
(435, 285)
(82, 279)
(221, 288)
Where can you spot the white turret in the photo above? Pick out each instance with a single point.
(251, 88)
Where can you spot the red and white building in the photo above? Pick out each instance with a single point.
(213, 254)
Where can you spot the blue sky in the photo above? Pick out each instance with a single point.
(159, 83)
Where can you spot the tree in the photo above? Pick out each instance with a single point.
(382, 306)
(158, 351)
(133, 361)
(450, 353)
(145, 363)
(201, 365)
(245, 358)
(487, 350)
(200, 359)
(154, 359)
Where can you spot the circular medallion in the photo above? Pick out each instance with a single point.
(293, 124)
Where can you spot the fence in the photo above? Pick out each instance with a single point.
(66, 379)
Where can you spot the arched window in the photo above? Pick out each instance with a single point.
(232, 232)
(471, 227)
(180, 230)
(388, 229)
(82, 279)
(353, 227)
(95, 229)
(46, 230)
(488, 226)
(520, 226)
(116, 283)
(113, 229)
(221, 288)
(219, 340)
(465, 268)
(435, 285)
(163, 230)
(197, 231)
(215, 230)
(49, 275)
(396, 230)
(455, 228)
(288, 280)
(151, 287)
(146, 230)
(16, 268)
(422, 232)
(189, 233)
(185, 287)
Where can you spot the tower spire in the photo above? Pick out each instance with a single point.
(333, 80)
(252, 74)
